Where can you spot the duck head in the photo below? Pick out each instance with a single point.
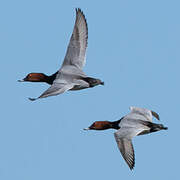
(103, 125)
(35, 77)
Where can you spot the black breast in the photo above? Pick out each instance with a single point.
(115, 124)
(51, 78)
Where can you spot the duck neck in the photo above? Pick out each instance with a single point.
(115, 124)
(50, 79)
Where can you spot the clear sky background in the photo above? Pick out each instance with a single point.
(134, 46)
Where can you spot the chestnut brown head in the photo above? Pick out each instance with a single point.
(35, 77)
(100, 125)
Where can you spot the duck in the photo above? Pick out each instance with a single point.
(70, 76)
(137, 122)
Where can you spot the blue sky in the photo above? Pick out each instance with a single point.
(134, 46)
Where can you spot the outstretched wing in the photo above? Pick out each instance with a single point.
(123, 138)
(76, 50)
(142, 113)
(126, 148)
(55, 89)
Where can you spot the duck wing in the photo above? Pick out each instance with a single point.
(55, 89)
(142, 113)
(124, 141)
(75, 55)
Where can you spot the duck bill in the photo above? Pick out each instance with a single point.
(86, 129)
(21, 80)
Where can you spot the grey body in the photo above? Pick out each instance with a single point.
(71, 76)
(137, 122)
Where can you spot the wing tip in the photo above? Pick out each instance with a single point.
(156, 115)
(80, 15)
(78, 10)
(131, 162)
(132, 166)
(32, 99)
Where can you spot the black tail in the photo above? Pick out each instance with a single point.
(157, 127)
(153, 126)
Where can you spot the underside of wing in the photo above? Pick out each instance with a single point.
(76, 50)
(55, 89)
(124, 141)
(126, 148)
